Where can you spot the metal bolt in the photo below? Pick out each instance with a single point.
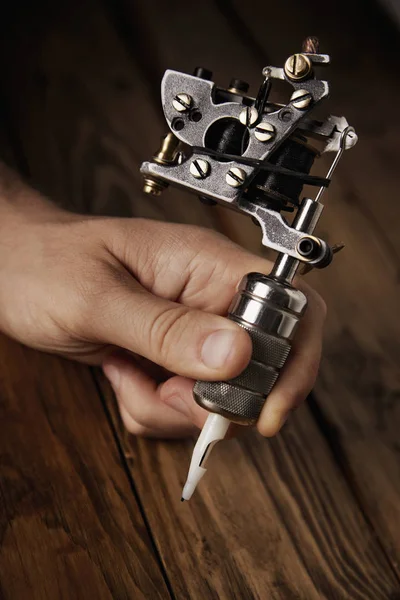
(300, 99)
(182, 102)
(298, 66)
(235, 177)
(153, 187)
(168, 152)
(264, 132)
(199, 168)
(248, 116)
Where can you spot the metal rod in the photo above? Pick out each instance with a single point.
(338, 156)
(285, 268)
(307, 216)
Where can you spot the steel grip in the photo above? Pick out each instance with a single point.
(269, 311)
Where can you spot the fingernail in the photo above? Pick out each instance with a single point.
(217, 348)
(113, 375)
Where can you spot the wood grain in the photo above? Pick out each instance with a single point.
(359, 384)
(272, 519)
(69, 523)
(277, 524)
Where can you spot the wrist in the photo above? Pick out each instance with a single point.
(19, 203)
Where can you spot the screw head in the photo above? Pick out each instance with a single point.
(301, 99)
(235, 177)
(264, 132)
(298, 66)
(248, 116)
(182, 102)
(199, 168)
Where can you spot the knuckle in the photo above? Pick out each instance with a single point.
(95, 296)
(167, 331)
(198, 237)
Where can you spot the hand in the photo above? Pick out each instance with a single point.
(84, 287)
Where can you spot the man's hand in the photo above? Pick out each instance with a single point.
(84, 287)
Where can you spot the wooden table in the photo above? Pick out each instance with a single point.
(87, 512)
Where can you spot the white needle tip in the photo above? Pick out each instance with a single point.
(189, 488)
(214, 430)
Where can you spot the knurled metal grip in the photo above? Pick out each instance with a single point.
(269, 311)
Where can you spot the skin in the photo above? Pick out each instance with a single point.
(141, 298)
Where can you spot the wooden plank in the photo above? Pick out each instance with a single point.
(359, 384)
(297, 542)
(272, 519)
(70, 526)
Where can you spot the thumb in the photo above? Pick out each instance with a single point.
(185, 341)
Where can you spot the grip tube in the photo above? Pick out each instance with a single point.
(269, 310)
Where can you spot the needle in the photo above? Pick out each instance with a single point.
(214, 430)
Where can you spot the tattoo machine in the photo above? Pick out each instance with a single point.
(254, 156)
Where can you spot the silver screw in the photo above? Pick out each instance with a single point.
(300, 99)
(248, 116)
(199, 168)
(264, 132)
(182, 102)
(235, 177)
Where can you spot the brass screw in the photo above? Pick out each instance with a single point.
(298, 66)
(153, 187)
(168, 152)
